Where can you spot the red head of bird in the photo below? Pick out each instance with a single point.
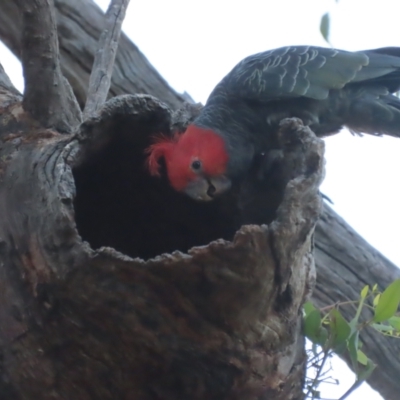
(196, 162)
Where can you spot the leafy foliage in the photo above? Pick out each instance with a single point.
(388, 302)
(324, 26)
(329, 333)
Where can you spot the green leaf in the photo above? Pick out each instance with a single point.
(312, 325)
(362, 358)
(395, 322)
(364, 291)
(324, 26)
(352, 347)
(383, 328)
(322, 337)
(308, 307)
(340, 329)
(353, 323)
(313, 328)
(376, 300)
(365, 373)
(388, 302)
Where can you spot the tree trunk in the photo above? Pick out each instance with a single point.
(345, 262)
(79, 25)
(221, 321)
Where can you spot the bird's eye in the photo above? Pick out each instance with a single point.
(196, 165)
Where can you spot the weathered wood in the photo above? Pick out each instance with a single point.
(345, 264)
(48, 95)
(103, 65)
(80, 23)
(220, 322)
(337, 256)
(13, 118)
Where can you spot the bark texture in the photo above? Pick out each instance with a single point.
(103, 65)
(80, 23)
(220, 321)
(48, 95)
(345, 262)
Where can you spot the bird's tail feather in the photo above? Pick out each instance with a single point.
(375, 114)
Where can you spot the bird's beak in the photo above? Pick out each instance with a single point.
(206, 189)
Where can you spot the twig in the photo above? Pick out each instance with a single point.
(353, 387)
(338, 304)
(312, 360)
(48, 95)
(319, 371)
(100, 78)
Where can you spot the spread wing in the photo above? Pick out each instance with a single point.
(305, 71)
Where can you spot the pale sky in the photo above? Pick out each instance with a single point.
(193, 44)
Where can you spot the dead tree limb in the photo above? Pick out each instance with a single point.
(221, 321)
(100, 78)
(48, 95)
(80, 23)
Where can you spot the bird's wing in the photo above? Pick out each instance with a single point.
(304, 71)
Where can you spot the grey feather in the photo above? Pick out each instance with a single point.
(326, 88)
(304, 71)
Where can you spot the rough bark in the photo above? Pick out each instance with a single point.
(103, 65)
(80, 23)
(345, 262)
(48, 95)
(221, 321)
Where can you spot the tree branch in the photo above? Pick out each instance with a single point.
(100, 78)
(80, 23)
(345, 264)
(216, 322)
(48, 96)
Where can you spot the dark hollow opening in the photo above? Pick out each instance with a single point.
(119, 205)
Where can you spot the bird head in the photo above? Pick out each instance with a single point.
(196, 162)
